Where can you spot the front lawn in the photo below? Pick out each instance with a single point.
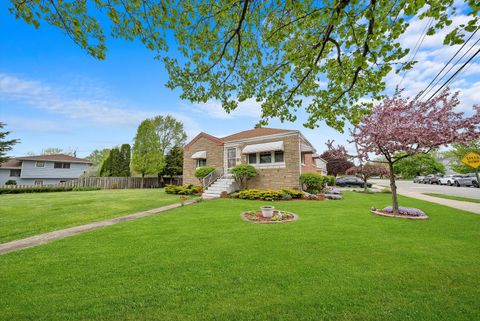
(23, 215)
(202, 262)
(455, 198)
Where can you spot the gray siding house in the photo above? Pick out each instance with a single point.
(43, 169)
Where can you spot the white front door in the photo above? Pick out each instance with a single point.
(231, 157)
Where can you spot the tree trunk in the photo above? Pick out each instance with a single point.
(365, 186)
(143, 180)
(393, 187)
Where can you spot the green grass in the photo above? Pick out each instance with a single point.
(201, 262)
(23, 215)
(456, 198)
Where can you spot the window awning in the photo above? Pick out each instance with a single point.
(306, 148)
(265, 147)
(200, 155)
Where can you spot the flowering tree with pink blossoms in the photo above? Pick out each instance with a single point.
(400, 125)
(366, 171)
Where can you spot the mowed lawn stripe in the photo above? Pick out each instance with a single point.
(23, 215)
(201, 262)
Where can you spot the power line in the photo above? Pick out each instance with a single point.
(424, 92)
(455, 74)
(416, 48)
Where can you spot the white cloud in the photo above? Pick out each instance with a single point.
(248, 108)
(432, 57)
(81, 100)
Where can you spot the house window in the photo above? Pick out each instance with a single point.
(302, 158)
(201, 162)
(15, 172)
(279, 156)
(265, 158)
(38, 182)
(39, 164)
(61, 165)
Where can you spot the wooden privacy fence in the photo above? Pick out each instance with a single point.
(110, 182)
(122, 182)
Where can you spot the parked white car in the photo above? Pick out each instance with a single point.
(449, 179)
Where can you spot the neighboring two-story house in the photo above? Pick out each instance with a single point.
(279, 155)
(43, 169)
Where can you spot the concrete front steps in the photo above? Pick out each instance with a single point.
(224, 184)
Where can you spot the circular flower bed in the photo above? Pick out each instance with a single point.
(277, 217)
(404, 212)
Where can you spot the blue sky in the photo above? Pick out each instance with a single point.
(52, 94)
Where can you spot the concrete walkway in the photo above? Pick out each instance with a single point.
(60, 234)
(465, 206)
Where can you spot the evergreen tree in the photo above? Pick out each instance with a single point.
(147, 157)
(125, 152)
(116, 163)
(5, 145)
(174, 162)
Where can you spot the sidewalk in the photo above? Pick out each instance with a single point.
(60, 234)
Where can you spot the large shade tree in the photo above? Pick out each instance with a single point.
(146, 156)
(278, 52)
(410, 126)
(458, 151)
(419, 164)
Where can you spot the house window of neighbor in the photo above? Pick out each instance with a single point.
(252, 158)
(61, 165)
(15, 172)
(39, 164)
(265, 158)
(201, 162)
(38, 182)
(279, 156)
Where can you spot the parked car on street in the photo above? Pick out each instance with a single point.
(434, 179)
(418, 179)
(351, 181)
(449, 179)
(469, 179)
(427, 179)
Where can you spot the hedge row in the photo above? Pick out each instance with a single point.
(268, 195)
(183, 190)
(46, 189)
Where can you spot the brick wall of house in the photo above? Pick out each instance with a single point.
(214, 158)
(310, 166)
(274, 177)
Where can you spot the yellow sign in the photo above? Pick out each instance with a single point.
(472, 159)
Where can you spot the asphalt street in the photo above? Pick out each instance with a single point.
(407, 187)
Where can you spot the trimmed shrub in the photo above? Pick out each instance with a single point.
(11, 182)
(45, 189)
(268, 195)
(293, 193)
(329, 180)
(313, 182)
(203, 171)
(183, 190)
(242, 173)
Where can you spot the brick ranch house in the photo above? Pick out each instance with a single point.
(279, 155)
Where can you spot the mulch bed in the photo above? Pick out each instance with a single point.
(256, 217)
(411, 217)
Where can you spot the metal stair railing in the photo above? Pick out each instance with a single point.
(212, 177)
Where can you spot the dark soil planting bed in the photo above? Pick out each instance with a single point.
(278, 217)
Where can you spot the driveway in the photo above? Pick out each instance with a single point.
(408, 188)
